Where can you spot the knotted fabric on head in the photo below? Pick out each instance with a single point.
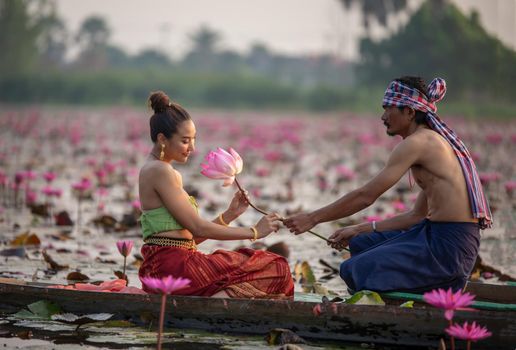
(401, 95)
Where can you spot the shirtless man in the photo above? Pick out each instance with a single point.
(436, 243)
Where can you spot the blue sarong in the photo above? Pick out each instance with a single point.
(429, 255)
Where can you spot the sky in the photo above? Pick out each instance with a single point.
(286, 26)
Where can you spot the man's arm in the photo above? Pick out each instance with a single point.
(402, 221)
(340, 238)
(400, 160)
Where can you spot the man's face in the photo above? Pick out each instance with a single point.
(395, 120)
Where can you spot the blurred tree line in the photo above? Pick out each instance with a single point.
(437, 41)
(36, 68)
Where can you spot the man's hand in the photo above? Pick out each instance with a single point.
(299, 223)
(340, 238)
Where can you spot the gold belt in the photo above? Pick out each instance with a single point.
(171, 242)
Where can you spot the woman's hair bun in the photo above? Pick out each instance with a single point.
(158, 101)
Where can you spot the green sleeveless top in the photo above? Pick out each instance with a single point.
(160, 220)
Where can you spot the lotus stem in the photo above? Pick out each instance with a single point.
(452, 339)
(161, 318)
(281, 219)
(123, 271)
(248, 201)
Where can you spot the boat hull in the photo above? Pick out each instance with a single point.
(388, 324)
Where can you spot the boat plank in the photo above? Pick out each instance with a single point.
(492, 292)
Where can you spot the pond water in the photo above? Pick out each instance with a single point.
(291, 162)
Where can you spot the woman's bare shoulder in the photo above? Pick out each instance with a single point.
(155, 169)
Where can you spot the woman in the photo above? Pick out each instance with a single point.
(172, 227)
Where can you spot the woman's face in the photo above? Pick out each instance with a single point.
(179, 147)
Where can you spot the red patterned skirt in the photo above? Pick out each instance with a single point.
(245, 273)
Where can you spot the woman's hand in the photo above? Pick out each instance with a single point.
(340, 238)
(237, 207)
(267, 224)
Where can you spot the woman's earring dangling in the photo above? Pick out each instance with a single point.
(162, 154)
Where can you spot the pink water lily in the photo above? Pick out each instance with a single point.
(448, 300)
(49, 176)
(125, 247)
(470, 332)
(222, 165)
(83, 185)
(165, 285)
(510, 187)
(226, 165)
(136, 204)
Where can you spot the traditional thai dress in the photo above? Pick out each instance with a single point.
(245, 273)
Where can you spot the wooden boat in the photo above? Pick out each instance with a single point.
(422, 325)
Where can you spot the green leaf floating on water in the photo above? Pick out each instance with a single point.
(308, 278)
(306, 271)
(365, 297)
(39, 310)
(408, 304)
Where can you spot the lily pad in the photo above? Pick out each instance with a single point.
(72, 318)
(39, 310)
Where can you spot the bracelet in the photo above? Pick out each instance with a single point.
(255, 233)
(221, 220)
(374, 226)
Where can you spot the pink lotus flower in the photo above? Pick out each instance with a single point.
(136, 204)
(83, 185)
(91, 162)
(399, 206)
(47, 191)
(3, 179)
(222, 165)
(494, 138)
(486, 178)
(371, 218)
(49, 176)
(448, 300)
(102, 191)
(31, 197)
(125, 247)
(510, 187)
(18, 177)
(469, 332)
(345, 173)
(273, 156)
(165, 285)
(31, 175)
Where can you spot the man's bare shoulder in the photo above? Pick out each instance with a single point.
(412, 143)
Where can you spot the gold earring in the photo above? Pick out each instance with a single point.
(162, 154)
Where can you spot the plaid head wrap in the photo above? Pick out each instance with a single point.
(401, 95)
